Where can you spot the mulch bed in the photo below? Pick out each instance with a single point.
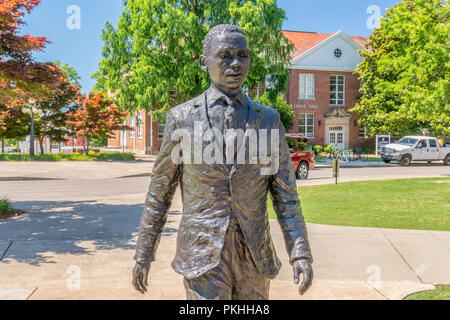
(14, 213)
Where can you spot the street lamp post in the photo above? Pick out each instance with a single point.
(31, 128)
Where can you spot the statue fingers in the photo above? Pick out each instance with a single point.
(307, 281)
(296, 274)
(135, 282)
(140, 281)
(146, 278)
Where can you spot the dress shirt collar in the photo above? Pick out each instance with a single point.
(214, 95)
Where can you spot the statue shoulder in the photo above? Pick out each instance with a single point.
(183, 110)
(265, 112)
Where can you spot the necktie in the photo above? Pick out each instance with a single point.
(230, 123)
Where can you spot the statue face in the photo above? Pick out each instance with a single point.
(227, 61)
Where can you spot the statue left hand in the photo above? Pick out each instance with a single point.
(303, 266)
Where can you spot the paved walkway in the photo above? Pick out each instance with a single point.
(45, 252)
(68, 247)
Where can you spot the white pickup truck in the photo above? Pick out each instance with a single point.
(415, 148)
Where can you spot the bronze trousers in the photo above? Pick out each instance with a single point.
(234, 278)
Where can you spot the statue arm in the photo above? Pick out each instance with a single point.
(165, 177)
(286, 203)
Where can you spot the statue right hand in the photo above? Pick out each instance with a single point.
(140, 277)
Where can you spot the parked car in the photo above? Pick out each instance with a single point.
(302, 155)
(415, 148)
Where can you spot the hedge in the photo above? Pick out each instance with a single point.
(75, 156)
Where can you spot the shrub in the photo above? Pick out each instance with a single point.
(318, 149)
(5, 207)
(368, 149)
(328, 148)
(75, 156)
(61, 156)
(303, 145)
(115, 156)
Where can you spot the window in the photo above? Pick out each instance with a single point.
(270, 83)
(336, 135)
(140, 125)
(362, 133)
(161, 127)
(131, 122)
(337, 85)
(338, 53)
(423, 143)
(432, 143)
(306, 86)
(306, 125)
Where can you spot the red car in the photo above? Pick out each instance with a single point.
(302, 155)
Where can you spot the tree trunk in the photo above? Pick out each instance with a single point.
(73, 144)
(3, 146)
(86, 146)
(41, 144)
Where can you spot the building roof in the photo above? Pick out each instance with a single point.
(303, 41)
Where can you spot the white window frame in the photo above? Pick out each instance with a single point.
(133, 128)
(365, 133)
(304, 132)
(161, 133)
(269, 84)
(336, 101)
(306, 81)
(140, 126)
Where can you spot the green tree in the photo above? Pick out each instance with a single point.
(51, 119)
(284, 109)
(151, 59)
(70, 72)
(14, 122)
(405, 72)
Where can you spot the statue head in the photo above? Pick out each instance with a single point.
(226, 57)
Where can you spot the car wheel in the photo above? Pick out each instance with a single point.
(447, 160)
(406, 160)
(386, 161)
(302, 171)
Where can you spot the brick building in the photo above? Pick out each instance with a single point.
(146, 137)
(321, 89)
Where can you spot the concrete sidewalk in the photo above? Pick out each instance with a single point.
(84, 250)
(75, 170)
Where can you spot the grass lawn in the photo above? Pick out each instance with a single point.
(416, 204)
(440, 293)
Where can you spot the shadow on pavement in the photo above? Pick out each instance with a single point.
(58, 227)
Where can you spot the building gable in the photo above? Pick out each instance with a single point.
(322, 55)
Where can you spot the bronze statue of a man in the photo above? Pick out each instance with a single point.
(224, 247)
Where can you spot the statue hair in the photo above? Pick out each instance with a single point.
(219, 30)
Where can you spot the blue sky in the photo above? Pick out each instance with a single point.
(81, 48)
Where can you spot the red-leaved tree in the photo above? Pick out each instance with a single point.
(97, 118)
(20, 75)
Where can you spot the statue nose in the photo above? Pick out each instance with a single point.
(235, 65)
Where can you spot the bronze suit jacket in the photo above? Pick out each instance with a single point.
(212, 192)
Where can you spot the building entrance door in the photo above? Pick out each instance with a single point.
(336, 137)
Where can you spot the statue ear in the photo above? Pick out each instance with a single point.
(203, 63)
